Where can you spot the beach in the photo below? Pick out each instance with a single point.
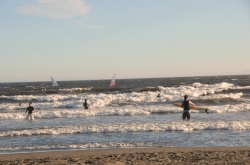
(168, 155)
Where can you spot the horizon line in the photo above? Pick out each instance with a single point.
(127, 78)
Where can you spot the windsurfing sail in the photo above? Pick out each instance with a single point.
(54, 83)
(112, 83)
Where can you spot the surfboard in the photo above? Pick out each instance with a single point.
(178, 104)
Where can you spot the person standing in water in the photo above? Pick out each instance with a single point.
(85, 104)
(30, 110)
(185, 104)
(20, 103)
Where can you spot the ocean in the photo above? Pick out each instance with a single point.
(128, 115)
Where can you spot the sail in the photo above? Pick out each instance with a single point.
(112, 83)
(54, 83)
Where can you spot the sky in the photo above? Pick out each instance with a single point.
(94, 39)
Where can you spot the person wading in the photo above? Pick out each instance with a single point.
(30, 110)
(85, 104)
(186, 107)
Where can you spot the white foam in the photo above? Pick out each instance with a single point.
(93, 145)
(130, 100)
(237, 87)
(243, 107)
(221, 96)
(74, 89)
(167, 93)
(171, 93)
(64, 110)
(193, 91)
(55, 97)
(131, 127)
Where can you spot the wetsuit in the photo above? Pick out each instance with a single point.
(30, 110)
(186, 109)
(86, 105)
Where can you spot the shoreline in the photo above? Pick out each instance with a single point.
(164, 155)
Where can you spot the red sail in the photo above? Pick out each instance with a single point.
(112, 83)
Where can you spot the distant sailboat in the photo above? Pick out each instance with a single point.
(112, 83)
(54, 83)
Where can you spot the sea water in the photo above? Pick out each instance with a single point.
(128, 115)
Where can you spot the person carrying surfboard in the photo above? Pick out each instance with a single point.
(185, 105)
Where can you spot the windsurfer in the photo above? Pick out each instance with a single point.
(112, 83)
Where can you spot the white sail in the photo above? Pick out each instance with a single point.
(54, 83)
(112, 83)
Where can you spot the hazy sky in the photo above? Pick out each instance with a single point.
(93, 39)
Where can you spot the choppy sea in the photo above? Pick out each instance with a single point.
(128, 115)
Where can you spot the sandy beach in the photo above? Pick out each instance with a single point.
(189, 155)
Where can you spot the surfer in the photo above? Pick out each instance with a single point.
(158, 95)
(85, 104)
(186, 108)
(20, 103)
(30, 110)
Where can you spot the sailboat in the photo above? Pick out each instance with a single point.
(112, 83)
(54, 83)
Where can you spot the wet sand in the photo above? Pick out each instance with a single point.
(140, 156)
